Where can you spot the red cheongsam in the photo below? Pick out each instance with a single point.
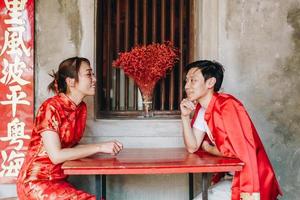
(236, 136)
(39, 178)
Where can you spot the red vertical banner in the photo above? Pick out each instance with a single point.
(16, 84)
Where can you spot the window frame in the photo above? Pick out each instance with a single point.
(108, 113)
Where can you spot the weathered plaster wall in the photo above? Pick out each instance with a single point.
(259, 46)
(59, 35)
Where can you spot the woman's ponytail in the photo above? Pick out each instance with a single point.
(53, 86)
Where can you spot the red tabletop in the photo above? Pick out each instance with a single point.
(152, 161)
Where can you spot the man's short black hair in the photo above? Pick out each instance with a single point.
(209, 69)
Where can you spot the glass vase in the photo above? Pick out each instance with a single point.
(147, 106)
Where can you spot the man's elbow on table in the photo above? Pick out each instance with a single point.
(191, 149)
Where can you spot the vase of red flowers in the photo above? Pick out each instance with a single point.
(146, 65)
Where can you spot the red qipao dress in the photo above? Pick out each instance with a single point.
(236, 136)
(39, 178)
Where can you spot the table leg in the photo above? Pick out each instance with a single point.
(191, 186)
(204, 186)
(100, 187)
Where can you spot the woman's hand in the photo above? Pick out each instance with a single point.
(57, 154)
(111, 147)
(186, 107)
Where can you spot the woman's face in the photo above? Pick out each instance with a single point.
(86, 84)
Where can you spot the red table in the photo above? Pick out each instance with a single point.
(151, 161)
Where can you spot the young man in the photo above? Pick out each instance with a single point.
(221, 126)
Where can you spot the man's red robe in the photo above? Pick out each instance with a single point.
(236, 136)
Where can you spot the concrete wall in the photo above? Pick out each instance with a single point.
(259, 45)
(257, 41)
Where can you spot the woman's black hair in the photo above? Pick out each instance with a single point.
(67, 68)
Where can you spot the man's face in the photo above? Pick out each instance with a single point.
(196, 87)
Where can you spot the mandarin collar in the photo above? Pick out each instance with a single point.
(210, 106)
(67, 102)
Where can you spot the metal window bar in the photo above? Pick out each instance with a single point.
(162, 38)
(118, 28)
(154, 40)
(136, 41)
(172, 39)
(181, 60)
(126, 41)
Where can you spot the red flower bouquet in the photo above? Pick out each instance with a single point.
(147, 64)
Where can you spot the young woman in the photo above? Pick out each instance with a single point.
(58, 127)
